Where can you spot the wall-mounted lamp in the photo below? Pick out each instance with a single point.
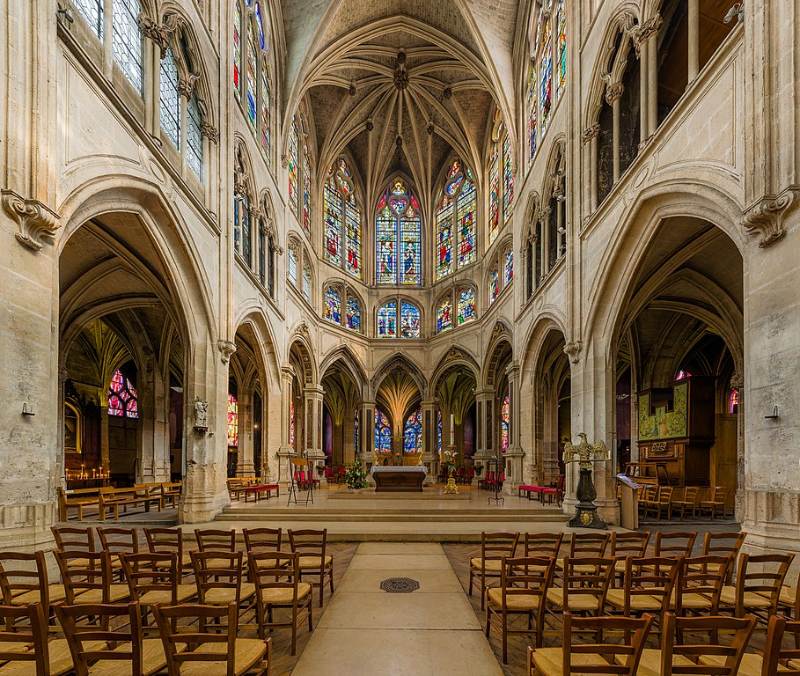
(27, 409)
(774, 415)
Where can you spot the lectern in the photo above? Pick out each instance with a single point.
(628, 491)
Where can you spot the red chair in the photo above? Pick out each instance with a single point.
(342, 472)
(330, 477)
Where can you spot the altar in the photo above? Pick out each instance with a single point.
(398, 478)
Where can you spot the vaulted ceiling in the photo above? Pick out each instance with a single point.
(401, 85)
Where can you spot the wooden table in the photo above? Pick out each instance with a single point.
(397, 479)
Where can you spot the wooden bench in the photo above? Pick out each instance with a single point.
(114, 498)
(237, 485)
(258, 490)
(170, 493)
(77, 499)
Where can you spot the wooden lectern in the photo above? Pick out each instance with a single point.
(628, 492)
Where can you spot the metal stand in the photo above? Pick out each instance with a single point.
(493, 464)
(294, 488)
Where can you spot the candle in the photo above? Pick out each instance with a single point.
(452, 430)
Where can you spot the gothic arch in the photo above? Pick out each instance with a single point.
(456, 356)
(345, 356)
(300, 347)
(399, 361)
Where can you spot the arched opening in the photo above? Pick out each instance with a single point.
(341, 413)
(456, 415)
(678, 360)
(398, 400)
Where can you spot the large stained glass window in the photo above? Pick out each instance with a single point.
(494, 285)
(242, 228)
(508, 177)
(265, 104)
(439, 431)
(444, 314)
(501, 181)
(194, 137)
(126, 43)
(291, 423)
(291, 263)
(306, 280)
(342, 244)
(412, 434)
(410, 320)
(305, 218)
(398, 226)
(508, 267)
(505, 424)
(332, 307)
(233, 421)
(292, 166)
(494, 192)
(353, 314)
(123, 400)
(170, 100)
(251, 61)
(545, 54)
(466, 306)
(455, 221)
(383, 432)
(387, 320)
(561, 46)
(237, 49)
(532, 107)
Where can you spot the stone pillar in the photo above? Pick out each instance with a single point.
(367, 436)
(613, 95)
(514, 455)
(644, 92)
(430, 456)
(244, 455)
(313, 396)
(105, 458)
(694, 40)
(285, 451)
(590, 136)
(652, 85)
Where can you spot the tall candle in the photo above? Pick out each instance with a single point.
(452, 430)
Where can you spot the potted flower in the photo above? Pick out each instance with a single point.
(355, 477)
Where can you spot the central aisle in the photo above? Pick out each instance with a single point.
(369, 632)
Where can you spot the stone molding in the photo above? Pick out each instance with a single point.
(590, 132)
(573, 350)
(36, 221)
(226, 348)
(765, 217)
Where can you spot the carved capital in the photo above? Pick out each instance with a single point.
(573, 350)
(765, 217)
(160, 33)
(35, 220)
(226, 349)
(641, 34)
(210, 132)
(590, 132)
(737, 380)
(614, 92)
(186, 84)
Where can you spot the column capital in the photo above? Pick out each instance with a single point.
(614, 92)
(36, 222)
(591, 132)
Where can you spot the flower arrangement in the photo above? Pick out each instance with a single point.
(356, 476)
(449, 458)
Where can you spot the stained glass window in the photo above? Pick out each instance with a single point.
(412, 434)
(306, 281)
(126, 45)
(561, 46)
(262, 40)
(292, 263)
(291, 422)
(532, 106)
(387, 320)
(262, 252)
(333, 222)
(251, 60)
(123, 400)
(455, 220)
(237, 49)
(508, 268)
(466, 306)
(242, 231)
(505, 424)
(292, 166)
(194, 137)
(170, 100)
(332, 308)
(494, 193)
(508, 177)
(92, 11)
(265, 101)
(494, 285)
(444, 315)
(683, 375)
(467, 208)
(439, 431)
(410, 320)
(383, 432)
(733, 401)
(342, 220)
(233, 421)
(306, 215)
(398, 236)
(353, 314)
(545, 51)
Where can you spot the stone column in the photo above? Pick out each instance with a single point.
(514, 454)
(652, 85)
(613, 95)
(644, 92)
(244, 455)
(430, 456)
(694, 40)
(590, 136)
(105, 458)
(367, 436)
(285, 451)
(313, 396)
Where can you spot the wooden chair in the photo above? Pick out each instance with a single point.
(724, 544)
(277, 581)
(585, 584)
(98, 649)
(88, 578)
(759, 580)
(218, 576)
(586, 545)
(169, 541)
(23, 580)
(649, 501)
(664, 503)
(23, 642)
(154, 578)
(262, 539)
(312, 559)
(699, 585)
(542, 544)
(648, 587)
(714, 503)
(494, 548)
(523, 589)
(675, 544)
(688, 503)
(620, 659)
(215, 540)
(118, 541)
(707, 656)
(73, 539)
(193, 644)
(777, 659)
(789, 602)
(625, 544)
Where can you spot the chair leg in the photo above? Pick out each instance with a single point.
(310, 613)
(488, 620)
(470, 583)
(294, 633)
(321, 588)
(330, 578)
(505, 639)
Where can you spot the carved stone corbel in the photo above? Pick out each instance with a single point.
(737, 380)
(573, 350)
(614, 92)
(210, 132)
(186, 84)
(226, 348)
(765, 217)
(160, 33)
(35, 220)
(590, 132)
(641, 34)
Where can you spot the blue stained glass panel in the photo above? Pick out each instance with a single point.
(353, 314)
(387, 320)
(412, 434)
(410, 320)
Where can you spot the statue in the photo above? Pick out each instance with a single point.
(200, 415)
(584, 454)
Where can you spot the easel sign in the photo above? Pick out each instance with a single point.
(302, 479)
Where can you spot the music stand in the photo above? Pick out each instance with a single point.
(296, 463)
(493, 465)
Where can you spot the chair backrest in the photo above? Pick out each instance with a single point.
(675, 544)
(665, 495)
(151, 571)
(709, 655)
(165, 540)
(702, 575)
(778, 629)
(308, 542)
(262, 539)
(273, 570)
(652, 577)
(633, 543)
(86, 626)
(724, 544)
(763, 574)
(497, 546)
(217, 570)
(73, 539)
(84, 571)
(650, 493)
(526, 576)
(587, 576)
(543, 544)
(690, 494)
(24, 626)
(588, 544)
(614, 658)
(216, 540)
(719, 493)
(18, 576)
(119, 540)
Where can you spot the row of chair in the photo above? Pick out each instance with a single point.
(658, 501)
